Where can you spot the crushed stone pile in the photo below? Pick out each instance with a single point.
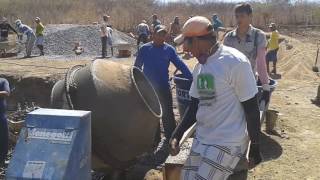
(60, 40)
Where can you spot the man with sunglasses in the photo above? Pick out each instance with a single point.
(154, 59)
(252, 43)
(224, 107)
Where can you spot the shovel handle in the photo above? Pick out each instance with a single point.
(315, 64)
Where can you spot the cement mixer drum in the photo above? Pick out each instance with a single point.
(125, 109)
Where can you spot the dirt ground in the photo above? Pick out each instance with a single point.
(297, 156)
(294, 156)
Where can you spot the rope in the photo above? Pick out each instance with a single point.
(69, 81)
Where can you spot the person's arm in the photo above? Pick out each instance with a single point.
(261, 58)
(148, 31)
(252, 114)
(6, 90)
(221, 23)
(4, 94)
(262, 66)
(180, 65)
(137, 30)
(244, 83)
(10, 27)
(41, 28)
(187, 121)
(189, 117)
(139, 59)
(170, 28)
(111, 32)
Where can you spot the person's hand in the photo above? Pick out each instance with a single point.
(174, 147)
(254, 155)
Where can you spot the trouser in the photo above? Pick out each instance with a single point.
(271, 56)
(109, 43)
(104, 46)
(31, 38)
(39, 43)
(213, 162)
(168, 120)
(4, 138)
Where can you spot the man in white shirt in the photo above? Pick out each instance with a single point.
(224, 106)
(109, 38)
(104, 34)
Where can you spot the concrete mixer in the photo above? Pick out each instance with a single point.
(125, 109)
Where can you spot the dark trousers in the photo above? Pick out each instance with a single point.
(168, 119)
(4, 137)
(104, 46)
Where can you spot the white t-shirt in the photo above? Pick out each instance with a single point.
(103, 29)
(109, 32)
(221, 84)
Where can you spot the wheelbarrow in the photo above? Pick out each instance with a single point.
(10, 48)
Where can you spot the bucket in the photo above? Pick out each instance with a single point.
(271, 120)
(182, 92)
(272, 84)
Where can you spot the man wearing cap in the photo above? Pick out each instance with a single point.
(5, 28)
(39, 34)
(155, 22)
(252, 43)
(104, 34)
(175, 28)
(273, 47)
(109, 31)
(143, 32)
(154, 59)
(224, 106)
(4, 94)
(31, 37)
(216, 22)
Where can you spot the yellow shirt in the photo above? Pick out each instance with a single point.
(274, 40)
(39, 29)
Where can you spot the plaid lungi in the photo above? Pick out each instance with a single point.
(212, 162)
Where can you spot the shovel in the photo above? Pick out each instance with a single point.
(315, 67)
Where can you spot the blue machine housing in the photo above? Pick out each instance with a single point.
(54, 145)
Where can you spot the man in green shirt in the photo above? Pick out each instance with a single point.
(39, 34)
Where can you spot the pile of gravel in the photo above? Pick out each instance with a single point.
(60, 39)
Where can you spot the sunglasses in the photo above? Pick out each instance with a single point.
(189, 40)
